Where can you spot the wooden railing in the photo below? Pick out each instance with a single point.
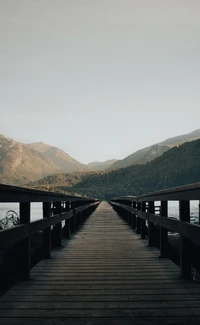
(141, 210)
(57, 209)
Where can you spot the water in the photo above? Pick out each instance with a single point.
(36, 210)
(173, 210)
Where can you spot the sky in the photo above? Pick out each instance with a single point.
(99, 79)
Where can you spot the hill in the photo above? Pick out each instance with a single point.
(177, 166)
(60, 158)
(98, 165)
(145, 155)
(21, 163)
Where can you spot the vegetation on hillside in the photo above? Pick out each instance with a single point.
(99, 165)
(176, 167)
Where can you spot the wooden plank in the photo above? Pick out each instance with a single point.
(99, 313)
(193, 320)
(68, 305)
(101, 298)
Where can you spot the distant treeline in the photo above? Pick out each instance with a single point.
(178, 166)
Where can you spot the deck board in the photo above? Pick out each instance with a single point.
(104, 275)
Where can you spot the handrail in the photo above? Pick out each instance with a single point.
(141, 209)
(21, 194)
(71, 209)
(186, 192)
(11, 236)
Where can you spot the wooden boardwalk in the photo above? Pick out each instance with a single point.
(104, 275)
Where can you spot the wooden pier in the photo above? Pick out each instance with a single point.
(104, 274)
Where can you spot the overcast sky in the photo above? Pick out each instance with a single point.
(99, 78)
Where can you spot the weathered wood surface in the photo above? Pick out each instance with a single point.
(104, 275)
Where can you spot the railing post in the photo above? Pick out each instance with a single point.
(143, 222)
(73, 219)
(134, 216)
(163, 231)
(78, 215)
(138, 221)
(67, 222)
(129, 213)
(185, 262)
(47, 231)
(151, 227)
(25, 245)
(58, 226)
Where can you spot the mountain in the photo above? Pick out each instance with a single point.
(145, 155)
(98, 165)
(21, 163)
(177, 166)
(180, 139)
(60, 158)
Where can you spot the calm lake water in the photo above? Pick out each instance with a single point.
(36, 210)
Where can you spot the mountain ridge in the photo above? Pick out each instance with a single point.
(176, 167)
(20, 163)
(101, 165)
(149, 153)
(23, 163)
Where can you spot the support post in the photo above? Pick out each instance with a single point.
(151, 226)
(164, 232)
(25, 244)
(129, 213)
(185, 262)
(73, 219)
(134, 217)
(67, 222)
(77, 220)
(58, 226)
(138, 221)
(47, 231)
(143, 222)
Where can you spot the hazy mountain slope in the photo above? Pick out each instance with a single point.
(180, 139)
(178, 166)
(18, 164)
(98, 165)
(21, 163)
(145, 155)
(61, 159)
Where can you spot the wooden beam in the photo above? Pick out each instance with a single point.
(16, 234)
(47, 231)
(151, 226)
(163, 231)
(25, 245)
(143, 222)
(185, 262)
(58, 227)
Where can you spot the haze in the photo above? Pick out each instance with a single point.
(99, 79)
